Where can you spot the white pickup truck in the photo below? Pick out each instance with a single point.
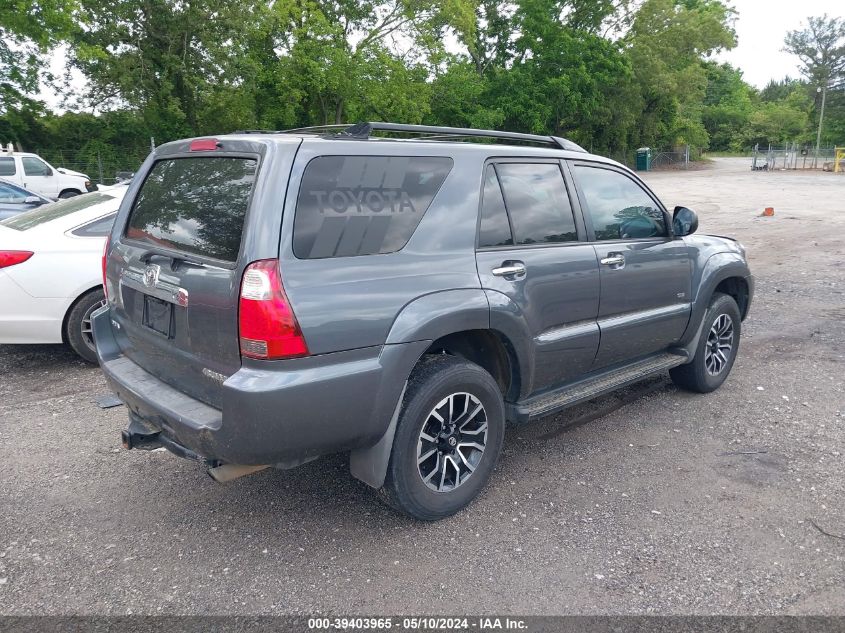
(34, 173)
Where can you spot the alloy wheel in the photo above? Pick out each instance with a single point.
(720, 341)
(87, 328)
(452, 442)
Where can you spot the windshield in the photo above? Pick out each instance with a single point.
(55, 210)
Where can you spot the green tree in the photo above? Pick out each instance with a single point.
(821, 49)
(782, 122)
(28, 29)
(169, 60)
(335, 59)
(536, 66)
(779, 89)
(728, 104)
(666, 42)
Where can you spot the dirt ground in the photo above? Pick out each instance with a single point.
(652, 500)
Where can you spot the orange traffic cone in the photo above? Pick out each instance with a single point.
(769, 212)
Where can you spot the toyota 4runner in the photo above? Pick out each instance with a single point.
(275, 297)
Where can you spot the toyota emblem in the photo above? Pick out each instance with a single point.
(151, 275)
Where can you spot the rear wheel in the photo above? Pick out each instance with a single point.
(78, 331)
(448, 438)
(717, 349)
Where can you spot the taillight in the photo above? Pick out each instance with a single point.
(268, 327)
(105, 263)
(10, 258)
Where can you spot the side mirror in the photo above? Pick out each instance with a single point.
(684, 221)
(32, 200)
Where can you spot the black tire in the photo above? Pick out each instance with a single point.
(438, 379)
(70, 193)
(699, 375)
(78, 325)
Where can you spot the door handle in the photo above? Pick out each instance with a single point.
(510, 269)
(613, 259)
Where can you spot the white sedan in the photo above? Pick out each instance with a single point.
(51, 270)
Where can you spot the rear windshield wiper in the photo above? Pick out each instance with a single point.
(175, 260)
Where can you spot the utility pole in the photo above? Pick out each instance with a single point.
(823, 90)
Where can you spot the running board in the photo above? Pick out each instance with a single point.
(547, 403)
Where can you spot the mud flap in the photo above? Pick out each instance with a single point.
(370, 464)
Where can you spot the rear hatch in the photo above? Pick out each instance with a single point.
(177, 262)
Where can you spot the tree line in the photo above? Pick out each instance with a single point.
(612, 75)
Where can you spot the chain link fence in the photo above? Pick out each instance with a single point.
(104, 166)
(792, 156)
(682, 157)
(671, 159)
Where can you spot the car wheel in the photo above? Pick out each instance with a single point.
(78, 331)
(448, 438)
(717, 349)
(70, 193)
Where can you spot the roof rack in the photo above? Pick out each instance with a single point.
(433, 132)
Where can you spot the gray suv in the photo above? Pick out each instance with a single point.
(275, 297)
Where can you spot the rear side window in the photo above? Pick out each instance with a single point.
(495, 229)
(7, 167)
(538, 204)
(194, 205)
(363, 205)
(97, 228)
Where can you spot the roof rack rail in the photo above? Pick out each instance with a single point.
(365, 130)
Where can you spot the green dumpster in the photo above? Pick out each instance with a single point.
(644, 159)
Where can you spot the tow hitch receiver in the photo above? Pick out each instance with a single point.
(142, 441)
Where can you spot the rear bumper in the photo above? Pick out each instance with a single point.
(28, 319)
(279, 413)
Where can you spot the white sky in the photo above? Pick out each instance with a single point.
(761, 27)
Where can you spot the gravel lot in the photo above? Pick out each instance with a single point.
(648, 501)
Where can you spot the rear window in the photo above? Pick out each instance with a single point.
(55, 210)
(363, 205)
(194, 205)
(7, 167)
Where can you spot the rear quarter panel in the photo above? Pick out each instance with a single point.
(349, 302)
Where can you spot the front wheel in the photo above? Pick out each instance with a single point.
(448, 438)
(78, 331)
(69, 193)
(717, 349)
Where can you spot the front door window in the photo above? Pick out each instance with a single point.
(618, 206)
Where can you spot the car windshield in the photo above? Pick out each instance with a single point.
(55, 210)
